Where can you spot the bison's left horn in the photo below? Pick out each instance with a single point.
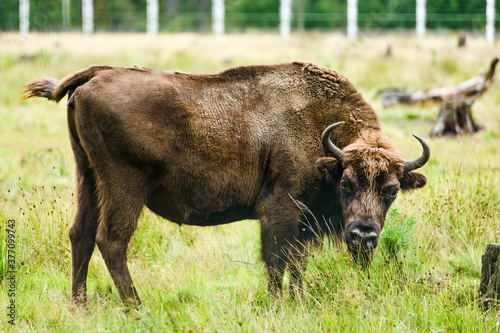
(328, 144)
(420, 161)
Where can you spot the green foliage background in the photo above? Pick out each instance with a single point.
(195, 15)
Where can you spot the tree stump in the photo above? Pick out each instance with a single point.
(455, 118)
(489, 288)
(462, 39)
(455, 114)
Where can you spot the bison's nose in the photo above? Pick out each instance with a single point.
(363, 238)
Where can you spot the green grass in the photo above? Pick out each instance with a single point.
(424, 275)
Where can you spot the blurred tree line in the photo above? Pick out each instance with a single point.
(195, 15)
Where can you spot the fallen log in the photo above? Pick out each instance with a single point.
(455, 111)
(472, 88)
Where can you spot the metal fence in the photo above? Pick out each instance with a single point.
(44, 20)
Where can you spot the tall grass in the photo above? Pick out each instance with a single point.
(424, 275)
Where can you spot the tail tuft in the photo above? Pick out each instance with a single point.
(42, 87)
(54, 90)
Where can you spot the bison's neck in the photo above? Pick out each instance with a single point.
(334, 98)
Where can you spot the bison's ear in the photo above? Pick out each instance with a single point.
(326, 164)
(412, 180)
(329, 166)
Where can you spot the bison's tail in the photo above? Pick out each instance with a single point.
(55, 90)
(41, 87)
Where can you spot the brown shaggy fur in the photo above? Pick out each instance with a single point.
(211, 149)
(375, 155)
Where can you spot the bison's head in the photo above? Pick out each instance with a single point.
(367, 176)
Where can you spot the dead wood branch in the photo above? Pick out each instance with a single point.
(470, 89)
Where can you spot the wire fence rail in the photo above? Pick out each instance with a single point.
(45, 21)
(54, 17)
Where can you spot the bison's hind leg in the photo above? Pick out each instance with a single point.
(122, 190)
(83, 232)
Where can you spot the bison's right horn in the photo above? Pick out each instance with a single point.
(328, 144)
(420, 161)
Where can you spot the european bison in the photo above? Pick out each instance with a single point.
(256, 142)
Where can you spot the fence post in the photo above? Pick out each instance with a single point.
(285, 18)
(352, 19)
(420, 18)
(218, 17)
(88, 16)
(153, 17)
(66, 13)
(24, 17)
(490, 20)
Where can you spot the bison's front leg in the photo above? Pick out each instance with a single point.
(281, 248)
(297, 268)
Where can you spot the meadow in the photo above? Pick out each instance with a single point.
(425, 273)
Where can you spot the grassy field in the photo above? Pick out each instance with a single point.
(210, 279)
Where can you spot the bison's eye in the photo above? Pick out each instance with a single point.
(391, 194)
(343, 185)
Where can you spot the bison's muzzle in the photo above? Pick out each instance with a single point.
(362, 239)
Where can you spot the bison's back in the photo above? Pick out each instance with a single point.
(197, 141)
(226, 140)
